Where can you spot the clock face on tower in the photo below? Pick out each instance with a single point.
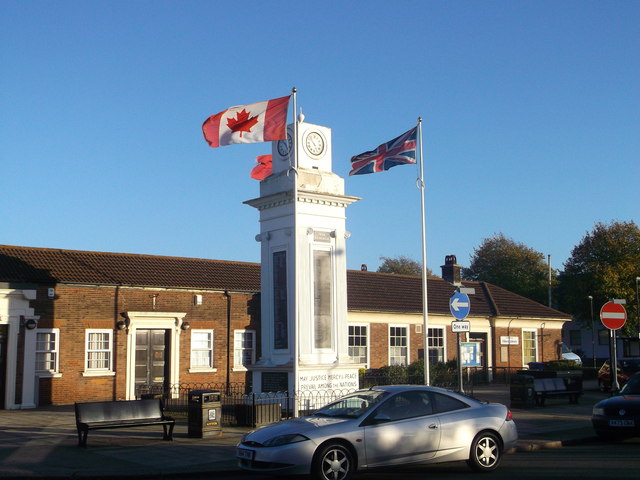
(284, 146)
(314, 144)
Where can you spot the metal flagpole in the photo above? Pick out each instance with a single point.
(295, 257)
(425, 307)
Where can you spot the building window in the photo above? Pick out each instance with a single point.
(244, 348)
(201, 349)
(358, 350)
(98, 348)
(47, 350)
(529, 347)
(398, 345)
(436, 345)
(322, 305)
(280, 316)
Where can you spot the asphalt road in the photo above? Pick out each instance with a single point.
(592, 461)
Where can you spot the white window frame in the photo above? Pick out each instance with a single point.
(534, 332)
(239, 349)
(406, 347)
(202, 368)
(55, 351)
(367, 336)
(443, 336)
(89, 371)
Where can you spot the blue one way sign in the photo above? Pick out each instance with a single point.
(459, 305)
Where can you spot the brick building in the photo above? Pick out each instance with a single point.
(79, 325)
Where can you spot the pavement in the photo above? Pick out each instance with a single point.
(42, 442)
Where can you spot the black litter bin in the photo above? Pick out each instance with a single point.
(205, 410)
(522, 392)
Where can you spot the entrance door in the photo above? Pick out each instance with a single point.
(4, 329)
(151, 361)
(481, 372)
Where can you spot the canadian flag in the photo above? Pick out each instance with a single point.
(257, 122)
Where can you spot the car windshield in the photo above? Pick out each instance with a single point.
(354, 405)
(632, 387)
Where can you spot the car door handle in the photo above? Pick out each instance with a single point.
(433, 426)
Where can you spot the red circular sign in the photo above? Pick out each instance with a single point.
(613, 315)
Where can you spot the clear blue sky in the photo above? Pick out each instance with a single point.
(531, 120)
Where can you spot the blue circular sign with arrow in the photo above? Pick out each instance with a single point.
(459, 305)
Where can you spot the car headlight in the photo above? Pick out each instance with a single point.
(598, 411)
(285, 440)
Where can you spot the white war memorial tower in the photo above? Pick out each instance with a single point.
(304, 337)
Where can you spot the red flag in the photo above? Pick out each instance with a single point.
(257, 122)
(263, 169)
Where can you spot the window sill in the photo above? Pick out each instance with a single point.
(104, 373)
(203, 370)
(48, 375)
(240, 368)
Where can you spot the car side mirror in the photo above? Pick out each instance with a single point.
(375, 419)
(381, 417)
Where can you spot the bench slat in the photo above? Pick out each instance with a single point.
(121, 414)
(553, 387)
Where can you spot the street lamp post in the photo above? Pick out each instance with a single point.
(593, 332)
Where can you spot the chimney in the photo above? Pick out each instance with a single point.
(451, 270)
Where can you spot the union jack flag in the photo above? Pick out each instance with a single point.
(399, 151)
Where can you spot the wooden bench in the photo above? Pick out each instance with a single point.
(553, 387)
(121, 414)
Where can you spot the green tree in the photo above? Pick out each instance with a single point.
(604, 265)
(401, 265)
(510, 265)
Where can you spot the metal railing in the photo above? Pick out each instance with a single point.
(242, 407)
(239, 407)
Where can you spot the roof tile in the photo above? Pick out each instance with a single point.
(366, 291)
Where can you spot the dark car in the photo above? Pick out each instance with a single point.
(626, 368)
(618, 417)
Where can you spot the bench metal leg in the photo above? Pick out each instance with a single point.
(82, 438)
(168, 432)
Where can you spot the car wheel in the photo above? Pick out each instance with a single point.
(486, 452)
(333, 462)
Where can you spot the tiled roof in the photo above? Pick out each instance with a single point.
(366, 291)
(384, 292)
(45, 265)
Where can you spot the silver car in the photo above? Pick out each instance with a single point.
(381, 427)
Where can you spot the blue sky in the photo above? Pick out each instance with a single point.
(531, 120)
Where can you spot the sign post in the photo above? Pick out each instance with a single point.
(613, 315)
(459, 305)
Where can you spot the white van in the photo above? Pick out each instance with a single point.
(567, 354)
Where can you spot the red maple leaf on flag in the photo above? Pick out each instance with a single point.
(242, 122)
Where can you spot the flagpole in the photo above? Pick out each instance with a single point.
(296, 336)
(425, 305)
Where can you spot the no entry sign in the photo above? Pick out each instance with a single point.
(613, 315)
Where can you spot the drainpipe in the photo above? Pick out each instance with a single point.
(492, 321)
(230, 341)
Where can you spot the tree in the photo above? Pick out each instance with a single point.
(510, 265)
(401, 265)
(604, 265)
